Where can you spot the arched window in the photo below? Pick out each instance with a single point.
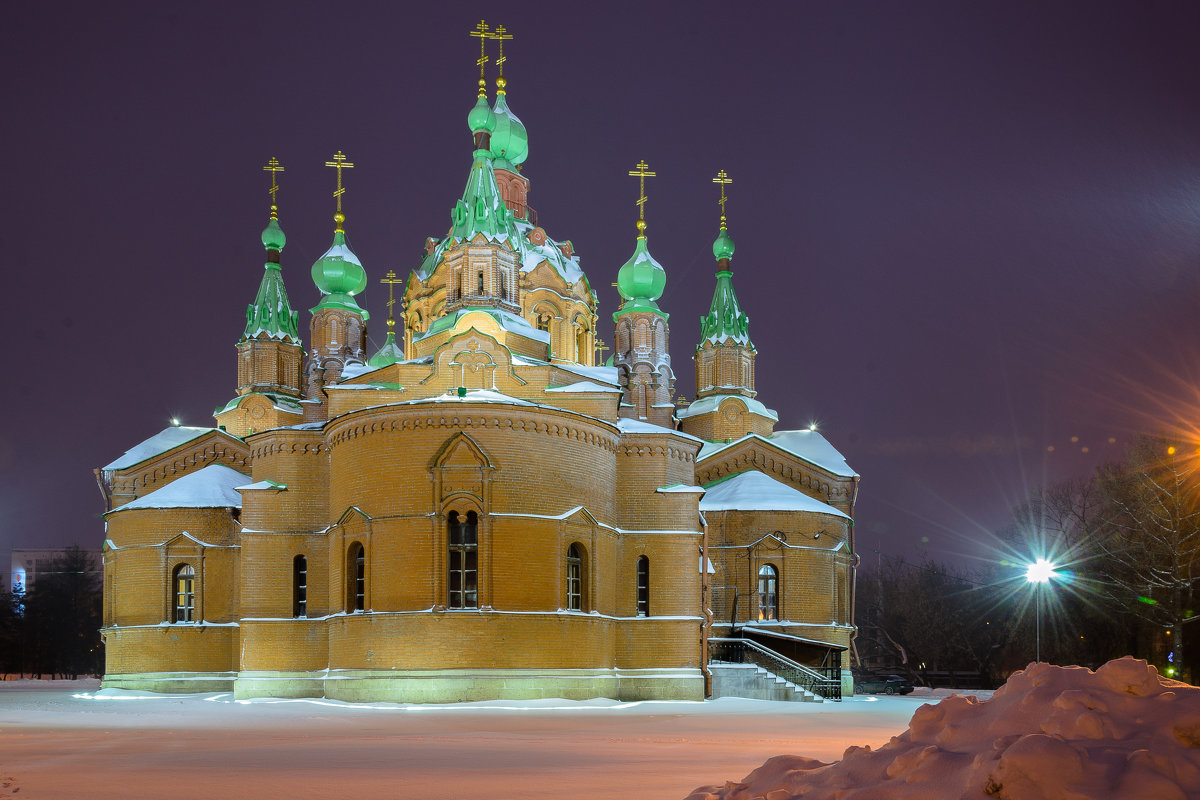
(643, 587)
(574, 578)
(300, 586)
(581, 332)
(768, 592)
(184, 583)
(356, 578)
(464, 560)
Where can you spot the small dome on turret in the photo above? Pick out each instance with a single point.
(641, 278)
(510, 140)
(338, 271)
(723, 246)
(481, 119)
(272, 235)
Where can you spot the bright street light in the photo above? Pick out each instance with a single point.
(1038, 573)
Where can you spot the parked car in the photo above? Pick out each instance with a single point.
(881, 684)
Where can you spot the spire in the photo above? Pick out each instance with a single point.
(482, 210)
(391, 352)
(725, 321)
(642, 279)
(271, 313)
(338, 273)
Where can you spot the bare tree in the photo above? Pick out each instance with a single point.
(1149, 536)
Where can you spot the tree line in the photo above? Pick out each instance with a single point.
(1125, 541)
(54, 629)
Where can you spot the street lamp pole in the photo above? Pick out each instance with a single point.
(1038, 573)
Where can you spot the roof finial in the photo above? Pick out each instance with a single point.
(481, 30)
(272, 167)
(391, 280)
(500, 35)
(339, 163)
(723, 180)
(641, 173)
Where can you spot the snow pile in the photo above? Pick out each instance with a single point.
(1050, 733)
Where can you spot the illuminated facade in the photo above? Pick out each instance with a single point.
(478, 509)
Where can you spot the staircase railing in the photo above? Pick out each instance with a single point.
(822, 681)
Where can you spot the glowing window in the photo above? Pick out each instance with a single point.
(184, 582)
(768, 593)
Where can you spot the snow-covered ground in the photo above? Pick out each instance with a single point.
(1051, 733)
(67, 740)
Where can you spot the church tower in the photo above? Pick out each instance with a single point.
(641, 340)
(269, 381)
(339, 325)
(725, 408)
(269, 351)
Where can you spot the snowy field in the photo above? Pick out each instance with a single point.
(1051, 733)
(66, 739)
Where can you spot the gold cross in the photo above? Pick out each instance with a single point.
(339, 163)
(500, 36)
(601, 349)
(723, 180)
(641, 173)
(390, 279)
(481, 30)
(273, 167)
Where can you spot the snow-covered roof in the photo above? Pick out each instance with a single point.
(711, 403)
(534, 254)
(755, 491)
(158, 444)
(605, 374)
(680, 488)
(513, 323)
(273, 485)
(807, 445)
(583, 386)
(628, 425)
(215, 486)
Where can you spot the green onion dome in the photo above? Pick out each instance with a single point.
(338, 273)
(272, 236)
(510, 141)
(481, 119)
(642, 279)
(723, 246)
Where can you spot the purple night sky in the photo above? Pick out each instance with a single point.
(966, 232)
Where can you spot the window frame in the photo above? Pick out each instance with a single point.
(768, 594)
(642, 584)
(356, 578)
(575, 582)
(184, 575)
(300, 587)
(462, 560)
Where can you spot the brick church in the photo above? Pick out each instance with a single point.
(478, 509)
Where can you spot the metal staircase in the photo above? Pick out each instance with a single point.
(729, 657)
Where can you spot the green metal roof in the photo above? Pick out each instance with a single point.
(387, 355)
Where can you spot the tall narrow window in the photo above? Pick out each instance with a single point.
(184, 582)
(768, 593)
(464, 560)
(574, 579)
(643, 587)
(356, 578)
(503, 287)
(481, 282)
(300, 586)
